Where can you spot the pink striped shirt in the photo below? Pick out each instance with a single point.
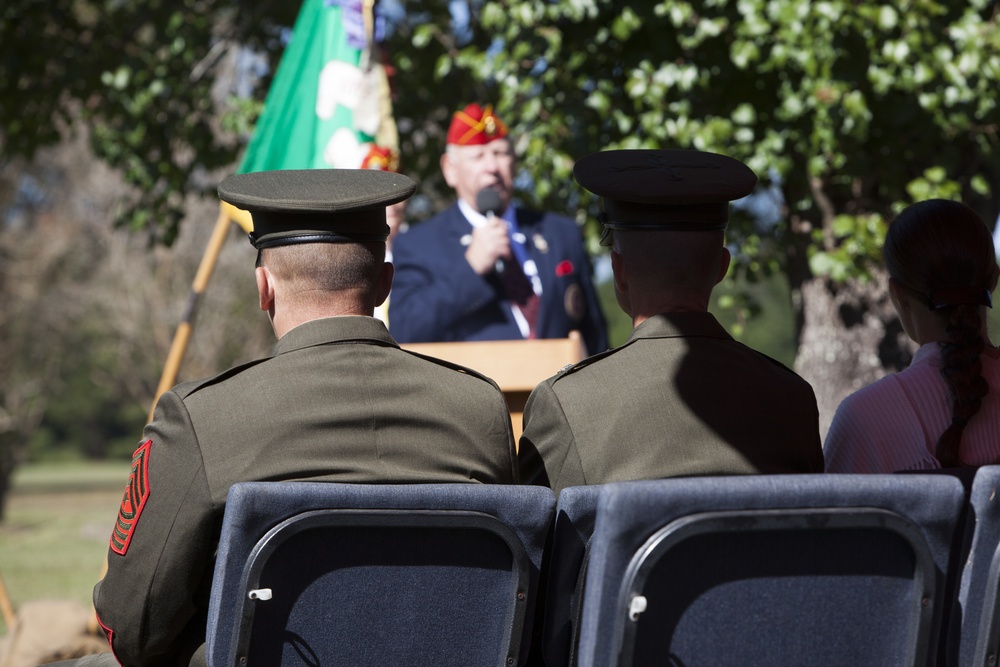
(894, 424)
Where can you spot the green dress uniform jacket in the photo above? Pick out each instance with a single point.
(338, 401)
(680, 398)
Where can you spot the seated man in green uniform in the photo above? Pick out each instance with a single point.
(338, 401)
(680, 397)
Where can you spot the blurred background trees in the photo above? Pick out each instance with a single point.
(117, 120)
(89, 311)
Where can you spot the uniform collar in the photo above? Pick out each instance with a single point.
(676, 325)
(355, 328)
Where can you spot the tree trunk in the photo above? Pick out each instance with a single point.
(850, 337)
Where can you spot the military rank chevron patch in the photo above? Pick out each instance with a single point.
(134, 500)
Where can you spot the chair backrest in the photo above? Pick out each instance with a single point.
(769, 570)
(977, 614)
(357, 574)
(564, 571)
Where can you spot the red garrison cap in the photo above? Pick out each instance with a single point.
(475, 125)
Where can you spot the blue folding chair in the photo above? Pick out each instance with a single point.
(565, 571)
(976, 617)
(769, 570)
(354, 574)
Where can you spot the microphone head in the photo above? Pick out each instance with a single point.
(488, 201)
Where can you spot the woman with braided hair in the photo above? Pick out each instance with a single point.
(943, 411)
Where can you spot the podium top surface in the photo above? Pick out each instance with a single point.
(515, 365)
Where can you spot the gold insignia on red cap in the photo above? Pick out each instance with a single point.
(475, 125)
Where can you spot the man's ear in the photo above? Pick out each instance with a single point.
(265, 288)
(620, 274)
(618, 271)
(724, 260)
(384, 283)
(996, 275)
(448, 168)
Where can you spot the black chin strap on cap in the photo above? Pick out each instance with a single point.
(292, 238)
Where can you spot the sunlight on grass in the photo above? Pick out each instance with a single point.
(54, 537)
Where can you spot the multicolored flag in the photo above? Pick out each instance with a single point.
(329, 102)
(329, 105)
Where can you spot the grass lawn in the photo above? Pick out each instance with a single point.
(54, 537)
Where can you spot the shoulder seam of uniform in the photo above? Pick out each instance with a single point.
(452, 365)
(569, 369)
(197, 385)
(768, 357)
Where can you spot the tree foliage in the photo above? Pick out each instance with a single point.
(853, 108)
(89, 311)
(846, 110)
(141, 76)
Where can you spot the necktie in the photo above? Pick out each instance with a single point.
(517, 286)
(518, 289)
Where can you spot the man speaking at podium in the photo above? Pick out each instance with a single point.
(484, 269)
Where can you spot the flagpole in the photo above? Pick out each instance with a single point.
(183, 334)
(7, 607)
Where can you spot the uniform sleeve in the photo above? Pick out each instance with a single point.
(547, 453)
(433, 289)
(501, 437)
(815, 462)
(161, 547)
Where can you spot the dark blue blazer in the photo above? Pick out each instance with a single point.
(436, 296)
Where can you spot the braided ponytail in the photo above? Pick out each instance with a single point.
(942, 251)
(962, 369)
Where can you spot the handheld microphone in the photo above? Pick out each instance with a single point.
(488, 202)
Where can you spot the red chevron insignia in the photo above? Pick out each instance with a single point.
(134, 500)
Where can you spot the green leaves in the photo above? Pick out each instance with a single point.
(934, 183)
(856, 248)
(847, 104)
(140, 75)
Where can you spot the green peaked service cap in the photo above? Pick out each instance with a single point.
(680, 190)
(316, 205)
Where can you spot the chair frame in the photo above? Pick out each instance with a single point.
(988, 637)
(645, 559)
(381, 518)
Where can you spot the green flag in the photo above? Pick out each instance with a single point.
(328, 106)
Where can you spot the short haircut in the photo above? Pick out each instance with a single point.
(671, 260)
(326, 267)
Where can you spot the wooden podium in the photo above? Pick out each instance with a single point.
(515, 365)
